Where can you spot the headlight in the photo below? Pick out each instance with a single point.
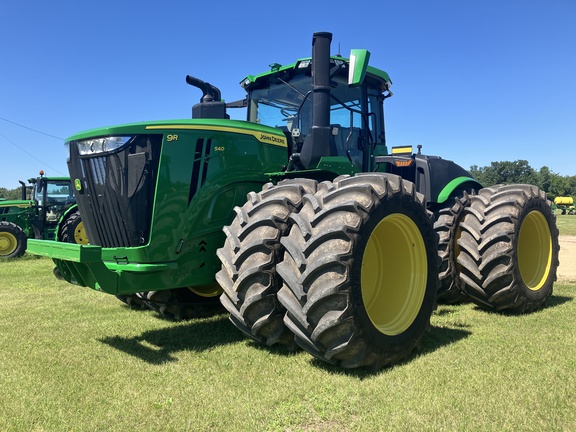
(304, 64)
(100, 145)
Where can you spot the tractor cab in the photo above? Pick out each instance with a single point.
(46, 211)
(52, 197)
(347, 123)
(354, 124)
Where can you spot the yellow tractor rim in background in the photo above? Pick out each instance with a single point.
(394, 274)
(80, 236)
(534, 250)
(8, 243)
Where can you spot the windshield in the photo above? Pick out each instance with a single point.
(59, 196)
(288, 105)
(56, 191)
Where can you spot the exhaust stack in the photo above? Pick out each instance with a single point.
(317, 143)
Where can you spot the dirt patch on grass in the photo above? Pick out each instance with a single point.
(567, 269)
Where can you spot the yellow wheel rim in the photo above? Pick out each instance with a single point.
(534, 250)
(80, 236)
(394, 274)
(212, 290)
(8, 243)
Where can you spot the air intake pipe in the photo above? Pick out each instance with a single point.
(211, 104)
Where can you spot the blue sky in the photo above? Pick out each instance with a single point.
(474, 81)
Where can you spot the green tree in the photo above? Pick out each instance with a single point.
(546, 178)
(10, 194)
(505, 172)
(559, 187)
(571, 186)
(521, 172)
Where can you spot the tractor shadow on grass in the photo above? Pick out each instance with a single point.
(553, 301)
(437, 338)
(556, 300)
(159, 346)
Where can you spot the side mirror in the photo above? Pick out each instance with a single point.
(358, 65)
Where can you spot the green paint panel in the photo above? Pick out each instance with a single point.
(205, 168)
(452, 185)
(304, 62)
(358, 65)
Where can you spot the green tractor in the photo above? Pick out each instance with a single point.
(299, 220)
(565, 205)
(50, 213)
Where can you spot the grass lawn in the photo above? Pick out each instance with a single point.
(77, 360)
(566, 224)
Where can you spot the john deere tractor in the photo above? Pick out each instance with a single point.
(303, 224)
(49, 213)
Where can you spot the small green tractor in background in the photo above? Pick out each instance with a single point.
(299, 220)
(47, 210)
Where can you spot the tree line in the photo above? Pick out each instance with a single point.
(11, 194)
(16, 194)
(518, 171)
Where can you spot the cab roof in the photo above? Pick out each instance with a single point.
(375, 77)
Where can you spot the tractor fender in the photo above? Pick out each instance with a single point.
(455, 184)
(439, 178)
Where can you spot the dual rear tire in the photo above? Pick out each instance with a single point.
(447, 225)
(509, 248)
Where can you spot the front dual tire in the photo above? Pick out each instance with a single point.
(249, 258)
(360, 271)
(348, 269)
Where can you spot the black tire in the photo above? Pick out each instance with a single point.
(57, 273)
(72, 230)
(249, 257)
(183, 304)
(447, 225)
(509, 248)
(134, 301)
(12, 240)
(360, 271)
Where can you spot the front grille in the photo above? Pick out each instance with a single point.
(117, 193)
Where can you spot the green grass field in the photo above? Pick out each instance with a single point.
(566, 224)
(77, 360)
